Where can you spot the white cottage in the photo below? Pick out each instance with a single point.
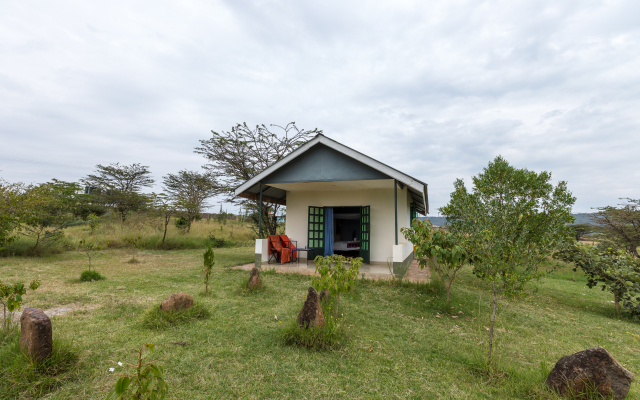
(340, 201)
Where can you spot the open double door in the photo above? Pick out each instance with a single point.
(316, 237)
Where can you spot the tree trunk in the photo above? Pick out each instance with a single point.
(166, 223)
(493, 318)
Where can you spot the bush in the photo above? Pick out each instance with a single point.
(181, 223)
(21, 377)
(157, 319)
(88, 276)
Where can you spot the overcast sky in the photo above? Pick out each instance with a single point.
(435, 89)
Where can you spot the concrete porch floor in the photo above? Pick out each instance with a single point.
(370, 271)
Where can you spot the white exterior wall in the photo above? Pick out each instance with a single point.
(382, 215)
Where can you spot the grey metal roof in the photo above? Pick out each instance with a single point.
(327, 160)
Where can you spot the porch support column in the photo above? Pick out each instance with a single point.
(260, 217)
(395, 205)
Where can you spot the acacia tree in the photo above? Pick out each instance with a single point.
(119, 186)
(190, 191)
(620, 226)
(240, 154)
(511, 221)
(166, 208)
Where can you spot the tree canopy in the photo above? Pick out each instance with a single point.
(620, 226)
(119, 186)
(190, 191)
(238, 155)
(510, 221)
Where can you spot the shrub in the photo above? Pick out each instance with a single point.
(22, 377)
(157, 319)
(181, 223)
(88, 276)
(334, 276)
(11, 299)
(616, 270)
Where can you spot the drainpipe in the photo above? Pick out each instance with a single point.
(395, 200)
(260, 217)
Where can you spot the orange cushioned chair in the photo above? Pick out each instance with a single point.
(277, 249)
(288, 243)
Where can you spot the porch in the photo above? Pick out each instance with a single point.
(367, 271)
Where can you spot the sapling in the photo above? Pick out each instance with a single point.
(508, 224)
(439, 248)
(334, 276)
(133, 242)
(146, 383)
(11, 298)
(209, 261)
(88, 248)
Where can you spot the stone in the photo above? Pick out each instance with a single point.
(254, 279)
(594, 368)
(311, 313)
(176, 302)
(36, 334)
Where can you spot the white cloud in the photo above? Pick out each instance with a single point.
(435, 89)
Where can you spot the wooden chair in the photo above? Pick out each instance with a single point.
(278, 250)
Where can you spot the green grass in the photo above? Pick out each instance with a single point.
(22, 377)
(157, 319)
(401, 341)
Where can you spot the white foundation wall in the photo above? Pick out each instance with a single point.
(382, 215)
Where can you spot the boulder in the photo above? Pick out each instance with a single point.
(254, 279)
(176, 302)
(311, 313)
(36, 334)
(591, 368)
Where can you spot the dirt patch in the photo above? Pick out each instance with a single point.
(61, 310)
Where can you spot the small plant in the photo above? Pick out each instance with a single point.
(146, 383)
(88, 248)
(133, 241)
(209, 261)
(94, 222)
(11, 299)
(88, 276)
(334, 276)
(155, 318)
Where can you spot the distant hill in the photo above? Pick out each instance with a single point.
(583, 218)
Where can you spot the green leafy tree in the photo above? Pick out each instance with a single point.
(511, 221)
(119, 186)
(11, 298)
(146, 383)
(337, 275)
(190, 190)
(209, 261)
(438, 248)
(619, 227)
(242, 153)
(615, 270)
(12, 208)
(47, 210)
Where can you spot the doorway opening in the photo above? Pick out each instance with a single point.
(347, 233)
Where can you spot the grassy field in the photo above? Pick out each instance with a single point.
(146, 229)
(401, 341)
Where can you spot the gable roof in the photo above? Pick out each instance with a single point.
(361, 167)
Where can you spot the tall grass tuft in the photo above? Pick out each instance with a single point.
(155, 318)
(22, 377)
